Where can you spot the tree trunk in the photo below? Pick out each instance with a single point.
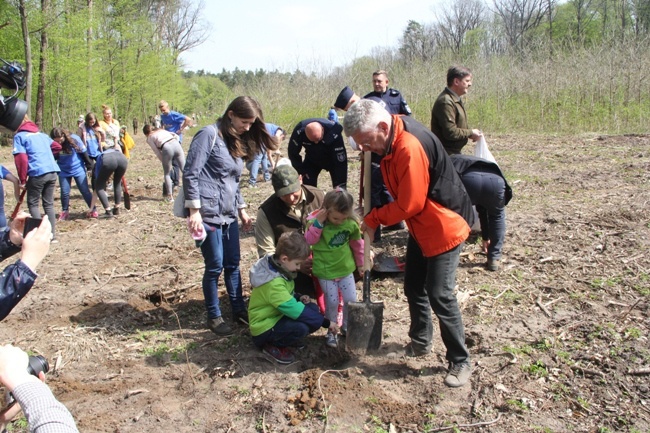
(89, 52)
(29, 67)
(40, 93)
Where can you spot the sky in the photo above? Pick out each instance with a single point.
(300, 34)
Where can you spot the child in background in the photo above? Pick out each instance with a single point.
(6, 174)
(279, 317)
(335, 238)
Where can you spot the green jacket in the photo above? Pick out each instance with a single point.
(449, 121)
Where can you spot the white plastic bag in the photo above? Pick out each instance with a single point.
(481, 150)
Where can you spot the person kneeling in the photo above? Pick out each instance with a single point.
(280, 318)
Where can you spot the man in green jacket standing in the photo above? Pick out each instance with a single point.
(448, 116)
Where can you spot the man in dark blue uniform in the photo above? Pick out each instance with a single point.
(324, 150)
(392, 99)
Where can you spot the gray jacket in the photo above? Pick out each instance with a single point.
(211, 178)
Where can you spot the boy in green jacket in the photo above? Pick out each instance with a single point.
(278, 317)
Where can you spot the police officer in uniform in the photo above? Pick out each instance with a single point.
(392, 99)
(324, 150)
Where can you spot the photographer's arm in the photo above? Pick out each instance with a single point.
(44, 413)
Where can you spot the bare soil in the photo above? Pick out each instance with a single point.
(558, 337)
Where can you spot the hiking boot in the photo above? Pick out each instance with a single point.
(414, 350)
(493, 264)
(241, 317)
(331, 340)
(219, 327)
(281, 355)
(64, 216)
(458, 374)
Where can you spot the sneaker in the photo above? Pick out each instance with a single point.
(64, 215)
(219, 327)
(331, 340)
(108, 214)
(116, 211)
(493, 264)
(252, 185)
(458, 374)
(281, 355)
(241, 317)
(414, 350)
(54, 241)
(92, 214)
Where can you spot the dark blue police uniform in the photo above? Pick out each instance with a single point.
(328, 154)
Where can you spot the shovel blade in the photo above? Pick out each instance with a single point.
(365, 321)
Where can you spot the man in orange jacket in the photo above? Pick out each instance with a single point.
(430, 197)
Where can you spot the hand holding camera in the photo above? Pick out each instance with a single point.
(34, 235)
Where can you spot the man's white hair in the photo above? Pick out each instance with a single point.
(364, 115)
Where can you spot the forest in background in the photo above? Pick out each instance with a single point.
(541, 66)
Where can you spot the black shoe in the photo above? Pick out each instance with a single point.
(116, 211)
(414, 350)
(219, 327)
(241, 317)
(493, 264)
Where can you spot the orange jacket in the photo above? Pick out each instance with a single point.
(405, 169)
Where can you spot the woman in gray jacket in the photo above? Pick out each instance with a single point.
(212, 195)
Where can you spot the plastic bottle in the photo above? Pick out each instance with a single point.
(198, 235)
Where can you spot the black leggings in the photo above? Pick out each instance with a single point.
(114, 163)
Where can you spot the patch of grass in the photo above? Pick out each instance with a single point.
(18, 425)
(175, 353)
(523, 350)
(632, 333)
(537, 369)
(517, 405)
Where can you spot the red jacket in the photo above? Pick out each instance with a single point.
(405, 169)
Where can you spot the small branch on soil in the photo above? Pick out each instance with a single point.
(542, 307)
(135, 392)
(322, 394)
(187, 357)
(147, 274)
(587, 371)
(639, 372)
(501, 294)
(109, 278)
(476, 424)
(630, 309)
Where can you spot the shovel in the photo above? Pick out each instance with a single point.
(365, 318)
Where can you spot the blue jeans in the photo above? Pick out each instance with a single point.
(254, 167)
(287, 332)
(429, 284)
(3, 217)
(488, 193)
(82, 185)
(220, 251)
(42, 188)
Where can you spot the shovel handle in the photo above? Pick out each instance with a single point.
(366, 237)
(20, 202)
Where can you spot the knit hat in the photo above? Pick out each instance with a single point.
(344, 98)
(285, 180)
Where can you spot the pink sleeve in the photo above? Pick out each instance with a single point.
(312, 235)
(357, 251)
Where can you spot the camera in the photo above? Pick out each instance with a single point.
(37, 364)
(12, 109)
